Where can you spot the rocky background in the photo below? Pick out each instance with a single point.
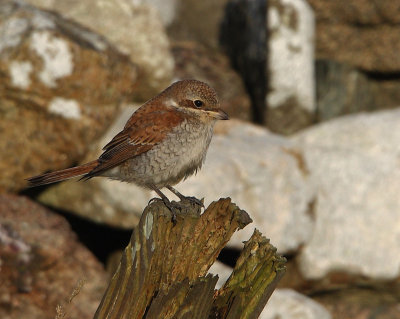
(312, 152)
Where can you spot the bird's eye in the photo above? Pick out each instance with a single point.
(198, 103)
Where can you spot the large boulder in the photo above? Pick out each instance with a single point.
(135, 28)
(60, 86)
(354, 168)
(289, 304)
(43, 263)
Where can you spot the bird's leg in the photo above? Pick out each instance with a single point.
(166, 202)
(183, 197)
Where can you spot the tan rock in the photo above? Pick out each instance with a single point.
(198, 21)
(360, 302)
(361, 33)
(60, 86)
(134, 28)
(166, 8)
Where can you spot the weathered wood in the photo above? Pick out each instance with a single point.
(254, 278)
(163, 270)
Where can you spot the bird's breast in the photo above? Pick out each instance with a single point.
(178, 156)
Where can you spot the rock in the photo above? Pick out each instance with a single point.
(363, 34)
(193, 58)
(354, 168)
(60, 85)
(135, 28)
(166, 9)
(360, 303)
(198, 21)
(278, 69)
(356, 43)
(291, 94)
(42, 263)
(261, 172)
(288, 304)
(343, 89)
(244, 38)
(385, 92)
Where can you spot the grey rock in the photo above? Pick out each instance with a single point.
(291, 95)
(166, 8)
(354, 169)
(344, 89)
(341, 89)
(289, 304)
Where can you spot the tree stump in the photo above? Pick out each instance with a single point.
(163, 270)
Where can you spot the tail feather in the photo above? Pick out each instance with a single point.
(61, 175)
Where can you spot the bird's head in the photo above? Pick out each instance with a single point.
(195, 98)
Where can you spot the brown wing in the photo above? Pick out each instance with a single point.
(147, 127)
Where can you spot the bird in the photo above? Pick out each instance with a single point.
(163, 142)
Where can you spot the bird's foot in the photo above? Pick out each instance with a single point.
(151, 200)
(194, 200)
(191, 199)
(173, 207)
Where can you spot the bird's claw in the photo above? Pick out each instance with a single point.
(173, 208)
(194, 200)
(177, 207)
(151, 200)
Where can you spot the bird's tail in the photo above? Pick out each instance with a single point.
(61, 175)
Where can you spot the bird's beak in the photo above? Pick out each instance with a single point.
(218, 114)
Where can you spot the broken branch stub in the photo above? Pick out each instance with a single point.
(254, 278)
(163, 270)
